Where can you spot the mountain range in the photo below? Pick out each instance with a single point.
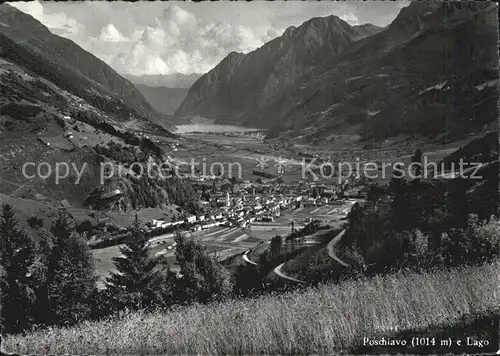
(61, 105)
(176, 80)
(432, 72)
(25, 41)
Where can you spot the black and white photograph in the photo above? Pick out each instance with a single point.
(249, 178)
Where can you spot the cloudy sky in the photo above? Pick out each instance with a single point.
(181, 37)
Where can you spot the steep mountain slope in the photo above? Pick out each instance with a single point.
(433, 71)
(163, 99)
(242, 83)
(53, 142)
(53, 145)
(69, 66)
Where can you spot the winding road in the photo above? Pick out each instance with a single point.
(247, 260)
(331, 252)
(331, 248)
(278, 272)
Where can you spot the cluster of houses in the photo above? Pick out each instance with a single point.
(239, 204)
(193, 222)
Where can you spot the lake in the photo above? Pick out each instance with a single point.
(180, 129)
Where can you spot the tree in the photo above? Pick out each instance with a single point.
(140, 281)
(16, 259)
(397, 180)
(85, 226)
(40, 276)
(374, 193)
(203, 277)
(70, 283)
(3, 286)
(275, 246)
(419, 249)
(248, 279)
(264, 260)
(416, 159)
(403, 204)
(35, 222)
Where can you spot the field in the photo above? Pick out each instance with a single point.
(26, 209)
(327, 319)
(344, 149)
(242, 152)
(222, 241)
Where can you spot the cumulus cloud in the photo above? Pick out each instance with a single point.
(109, 33)
(350, 18)
(160, 38)
(175, 40)
(183, 19)
(58, 22)
(178, 42)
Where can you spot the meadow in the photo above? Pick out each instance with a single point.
(325, 319)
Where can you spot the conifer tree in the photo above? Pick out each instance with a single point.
(247, 279)
(3, 287)
(275, 246)
(40, 276)
(16, 259)
(203, 277)
(70, 278)
(140, 281)
(417, 160)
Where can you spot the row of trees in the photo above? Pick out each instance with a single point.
(52, 281)
(145, 282)
(49, 282)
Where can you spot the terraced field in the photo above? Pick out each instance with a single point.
(222, 241)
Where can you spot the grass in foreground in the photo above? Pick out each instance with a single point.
(326, 319)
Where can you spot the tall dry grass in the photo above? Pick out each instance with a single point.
(325, 319)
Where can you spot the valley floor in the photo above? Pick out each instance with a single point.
(326, 319)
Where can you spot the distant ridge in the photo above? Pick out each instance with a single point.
(164, 100)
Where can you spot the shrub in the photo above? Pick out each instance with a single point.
(420, 248)
(35, 222)
(85, 226)
(484, 236)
